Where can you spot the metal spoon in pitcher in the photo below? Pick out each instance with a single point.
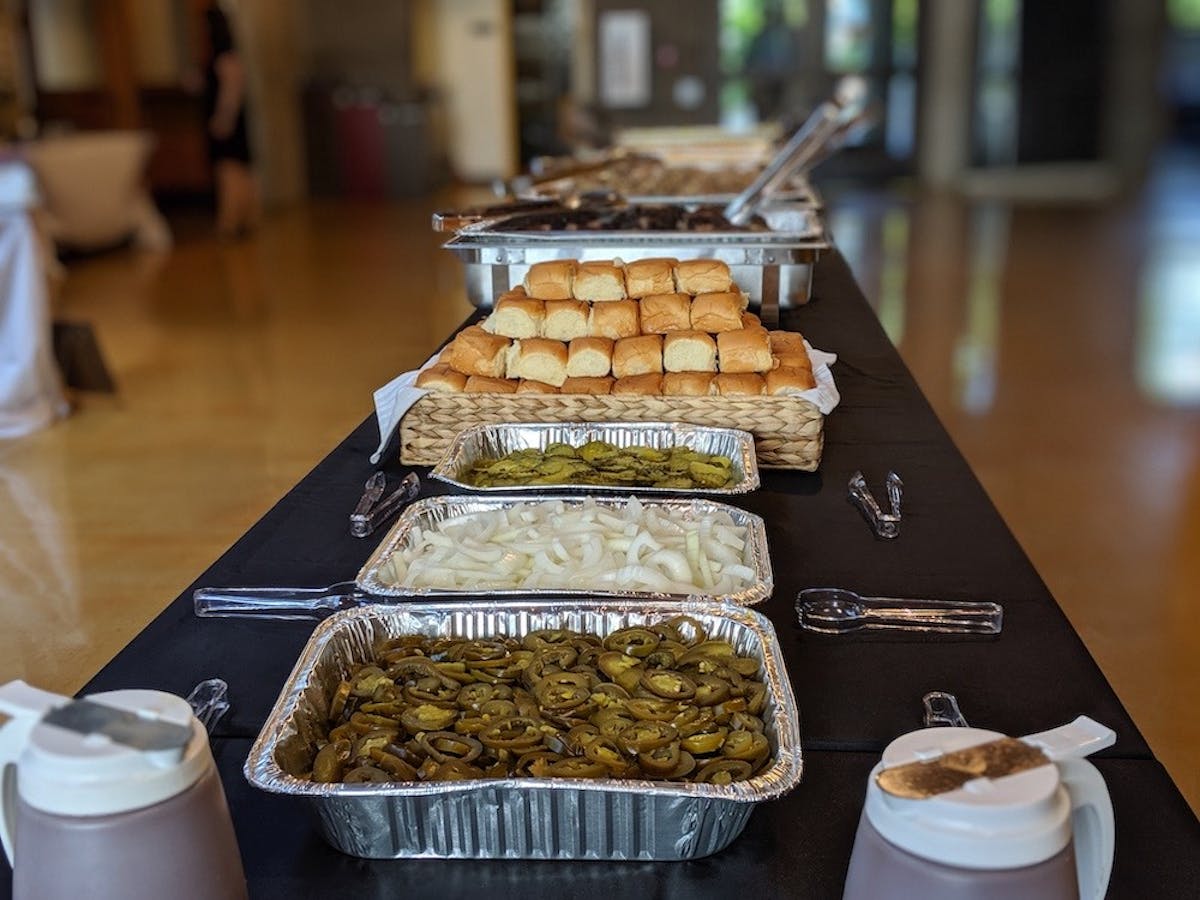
(837, 611)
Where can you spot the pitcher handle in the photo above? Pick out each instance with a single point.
(26, 705)
(1093, 826)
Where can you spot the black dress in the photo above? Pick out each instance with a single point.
(236, 146)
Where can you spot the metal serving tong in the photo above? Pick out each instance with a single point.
(374, 509)
(885, 525)
(941, 708)
(819, 137)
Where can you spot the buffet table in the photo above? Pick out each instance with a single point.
(855, 692)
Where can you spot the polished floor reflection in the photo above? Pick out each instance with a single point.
(1060, 346)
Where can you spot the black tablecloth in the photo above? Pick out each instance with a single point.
(795, 847)
(855, 693)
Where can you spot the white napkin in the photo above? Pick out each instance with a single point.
(393, 400)
(396, 397)
(825, 395)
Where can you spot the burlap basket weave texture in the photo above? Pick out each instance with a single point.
(788, 431)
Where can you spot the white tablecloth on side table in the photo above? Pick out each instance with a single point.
(31, 394)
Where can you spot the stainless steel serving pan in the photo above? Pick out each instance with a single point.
(375, 577)
(519, 818)
(494, 441)
(774, 268)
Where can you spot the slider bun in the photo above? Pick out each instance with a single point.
(538, 359)
(640, 355)
(441, 377)
(662, 313)
(516, 317)
(599, 281)
(787, 342)
(589, 357)
(535, 387)
(689, 351)
(750, 320)
(550, 280)
(588, 385)
(715, 313)
(688, 384)
(481, 384)
(748, 350)
(565, 320)
(515, 293)
(702, 276)
(613, 320)
(648, 385)
(738, 385)
(788, 359)
(780, 381)
(650, 276)
(475, 352)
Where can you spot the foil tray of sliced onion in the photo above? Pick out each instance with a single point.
(669, 548)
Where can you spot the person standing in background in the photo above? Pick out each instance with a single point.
(228, 141)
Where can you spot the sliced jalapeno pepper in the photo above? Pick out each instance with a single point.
(446, 745)
(499, 709)
(472, 696)
(393, 765)
(330, 762)
(365, 775)
(337, 705)
(455, 770)
(604, 751)
(660, 760)
(668, 684)
(756, 698)
(642, 737)
(634, 641)
(515, 733)
(710, 690)
(367, 679)
(748, 745)
(652, 708)
(743, 721)
(535, 763)
(427, 717)
(704, 742)
(576, 767)
(613, 663)
(724, 771)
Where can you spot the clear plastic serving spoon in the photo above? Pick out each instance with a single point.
(836, 611)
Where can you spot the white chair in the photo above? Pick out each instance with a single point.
(93, 190)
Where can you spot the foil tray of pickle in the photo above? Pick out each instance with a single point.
(495, 441)
(519, 818)
(374, 577)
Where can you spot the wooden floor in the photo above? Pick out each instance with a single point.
(1059, 346)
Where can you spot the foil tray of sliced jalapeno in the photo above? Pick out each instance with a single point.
(519, 728)
(659, 701)
(622, 456)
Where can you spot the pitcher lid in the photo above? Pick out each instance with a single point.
(71, 772)
(1001, 823)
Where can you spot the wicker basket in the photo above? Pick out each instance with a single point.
(788, 431)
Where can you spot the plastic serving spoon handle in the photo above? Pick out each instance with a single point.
(836, 611)
(277, 602)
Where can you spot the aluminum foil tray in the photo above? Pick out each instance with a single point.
(374, 576)
(494, 441)
(518, 818)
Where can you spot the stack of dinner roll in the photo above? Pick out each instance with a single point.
(650, 327)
